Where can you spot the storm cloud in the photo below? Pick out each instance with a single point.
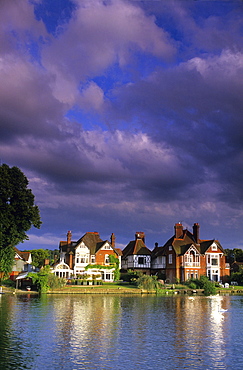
(125, 115)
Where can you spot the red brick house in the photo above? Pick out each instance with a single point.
(185, 256)
(136, 256)
(90, 250)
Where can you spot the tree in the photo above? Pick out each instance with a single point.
(17, 213)
(39, 256)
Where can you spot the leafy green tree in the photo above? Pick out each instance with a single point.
(17, 213)
(39, 256)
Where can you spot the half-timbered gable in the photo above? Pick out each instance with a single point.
(136, 256)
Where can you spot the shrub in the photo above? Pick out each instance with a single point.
(192, 285)
(45, 280)
(148, 282)
(130, 276)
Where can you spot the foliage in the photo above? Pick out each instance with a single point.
(130, 276)
(9, 283)
(108, 267)
(235, 254)
(39, 256)
(45, 280)
(202, 283)
(148, 282)
(17, 213)
(6, 260)
(115, 261)
(238, 277)
(192, 285)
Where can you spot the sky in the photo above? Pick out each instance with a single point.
(125, 116)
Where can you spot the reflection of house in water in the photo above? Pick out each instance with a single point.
(86, 325)
(200, 328)
(185, 256)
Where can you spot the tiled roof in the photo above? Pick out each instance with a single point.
(136, 247)
(24, 255)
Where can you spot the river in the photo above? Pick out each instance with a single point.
(120, 332)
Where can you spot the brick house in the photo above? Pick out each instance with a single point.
(136, 256)
(185, 256)
(90, 250)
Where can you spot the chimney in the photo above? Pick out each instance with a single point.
(178, 230)
(69, 237)
(113, 240)
(140, 235)
(196, 227)
(71, 260)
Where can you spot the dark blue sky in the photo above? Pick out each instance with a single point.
(125, 115)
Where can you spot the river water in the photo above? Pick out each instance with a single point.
(120, 332)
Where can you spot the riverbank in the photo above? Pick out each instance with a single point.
(120, 288)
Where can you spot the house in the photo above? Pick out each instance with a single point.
(22, 263)
(136, 256)
(89, 250)
(185, 256)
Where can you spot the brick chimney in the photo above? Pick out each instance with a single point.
(140, 235)
(196, 228)
(178, 230)
(113, 240)
(71, 260)
(69, 237)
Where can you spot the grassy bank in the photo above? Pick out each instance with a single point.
(125, 288)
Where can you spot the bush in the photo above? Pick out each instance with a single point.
(202, 283)
(192, 285)
(130, 276)
(148, 282)
(45, 280)
(209, 288)
(9, 283)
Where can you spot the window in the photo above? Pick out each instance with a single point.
(170, 248)
(107, 260)
(106, 246)
(92, 259)
(170, 258)
(141, 260)
(214, 261)
(77, 260)
(214, 247)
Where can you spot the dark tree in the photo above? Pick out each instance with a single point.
(17, 213)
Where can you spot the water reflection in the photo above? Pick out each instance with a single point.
(119, 332)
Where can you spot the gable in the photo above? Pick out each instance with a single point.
(106, 246)
(82, 249)
(211, 246)
(191, 249)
